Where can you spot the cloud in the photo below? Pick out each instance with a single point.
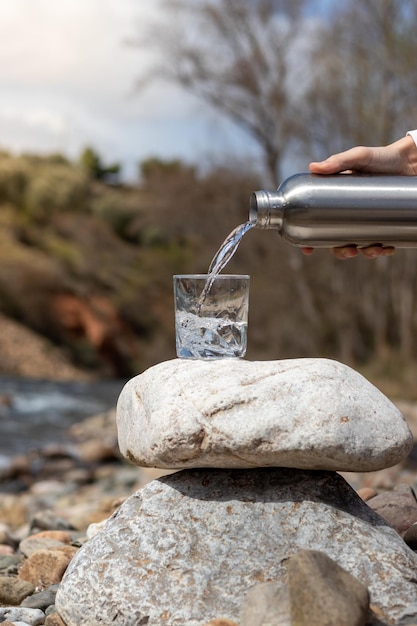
(67, 80)
(75, 45)
(36, 118)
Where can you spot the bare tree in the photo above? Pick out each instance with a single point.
(363, 88)
(242, 57)
(364, 91)
(289, 79)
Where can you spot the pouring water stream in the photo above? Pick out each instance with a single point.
(222, 257)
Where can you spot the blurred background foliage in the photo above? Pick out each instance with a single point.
(87, 260)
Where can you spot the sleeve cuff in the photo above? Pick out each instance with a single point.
(413, 135)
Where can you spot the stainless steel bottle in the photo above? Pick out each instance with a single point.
(340, 210)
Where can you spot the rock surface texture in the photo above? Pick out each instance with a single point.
(187, 548)
(300, 413)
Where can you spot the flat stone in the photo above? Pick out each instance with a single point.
(40, 600)
(54, 620)
(186, 548)
(30, 617)
(398, 507)
(34, 543)
(232, 413)
(46, 566)
(48, 520)
(9, 560)
(322, 592)
(6, 536)
(13, 590)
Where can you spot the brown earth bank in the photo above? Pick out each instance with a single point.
(25, 353)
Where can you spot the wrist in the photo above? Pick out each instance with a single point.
(413, 135)
(409, 151)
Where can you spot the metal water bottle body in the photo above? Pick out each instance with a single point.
(340, 210)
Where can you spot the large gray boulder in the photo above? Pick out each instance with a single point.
(231, 413)
(188, 547)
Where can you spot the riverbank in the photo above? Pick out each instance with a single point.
(50, 496)
(36, 413)
(78, 481)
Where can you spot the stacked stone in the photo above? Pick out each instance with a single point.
(257, 527)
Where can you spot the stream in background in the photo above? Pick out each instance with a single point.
(34, 413)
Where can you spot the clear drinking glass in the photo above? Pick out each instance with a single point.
(211, 315)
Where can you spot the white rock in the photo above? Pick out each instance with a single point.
(301, 413)
(187, 548)
(95, 528)
(20, 615)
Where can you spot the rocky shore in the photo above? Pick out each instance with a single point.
(52, 499)
(48, 499)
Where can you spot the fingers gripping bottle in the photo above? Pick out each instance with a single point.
(340, 210)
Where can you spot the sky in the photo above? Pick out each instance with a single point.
(67, 79)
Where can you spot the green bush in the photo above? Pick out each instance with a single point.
(117, 208)
(14, 179)
(56, 188)
(66, 252)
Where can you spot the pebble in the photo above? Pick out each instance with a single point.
(42, 599)
(36, 542)
(8, 560)
(54, 620)
(366, 493)
(410, 537)
(51, 488)
(46, 566)
(93, 529)
(31, 617)
(321, 592)
(48, 520)
(6, 537)
(398, 507)
(13, 590)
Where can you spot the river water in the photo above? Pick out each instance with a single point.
(34, 413)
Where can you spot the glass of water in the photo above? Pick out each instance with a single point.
(211, 315)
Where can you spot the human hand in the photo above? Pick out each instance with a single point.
(397, 159)
(349, 252)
